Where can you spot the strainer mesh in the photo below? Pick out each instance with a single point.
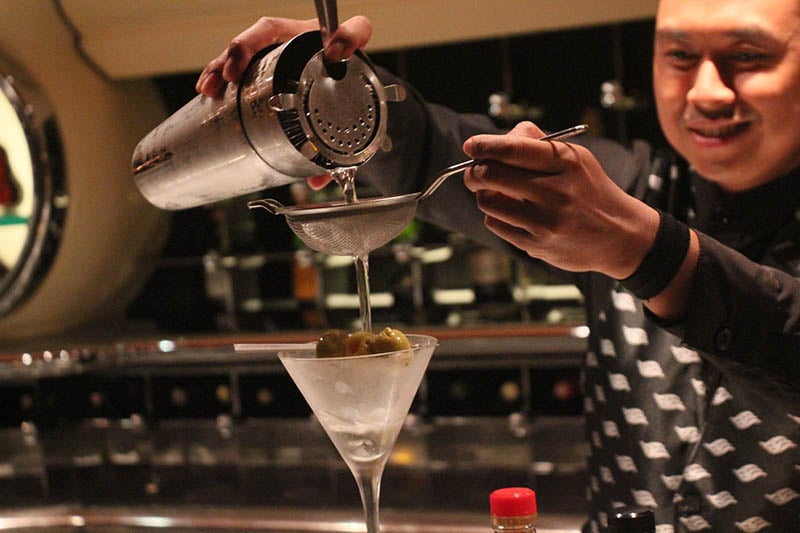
(352, 234)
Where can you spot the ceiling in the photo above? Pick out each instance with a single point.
(153, 37)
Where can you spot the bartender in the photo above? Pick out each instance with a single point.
(689, 266)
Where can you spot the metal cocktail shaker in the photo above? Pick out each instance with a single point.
(291, 116)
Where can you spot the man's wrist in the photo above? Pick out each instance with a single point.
(662, 261)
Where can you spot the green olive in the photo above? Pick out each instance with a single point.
(360, 343)
(337, 343)
(332, 343)
(390, 340)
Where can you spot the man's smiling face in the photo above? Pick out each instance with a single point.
(726, 77)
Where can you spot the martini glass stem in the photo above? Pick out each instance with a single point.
(369, 487)
(361, 263)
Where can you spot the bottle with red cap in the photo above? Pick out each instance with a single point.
(513, 510)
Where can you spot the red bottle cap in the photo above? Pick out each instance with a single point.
(513, 501)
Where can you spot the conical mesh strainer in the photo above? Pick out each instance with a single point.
(340, 228)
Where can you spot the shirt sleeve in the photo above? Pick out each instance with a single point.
(426, 138)
(743, 316)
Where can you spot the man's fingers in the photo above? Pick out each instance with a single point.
(267, 31)
(523, 152)
(511, 211)
(318, 182)
(351, 35)
(514, 182)
(229, 66)
(527, 129)
(232, 62)
(210, 81)
(512, 234)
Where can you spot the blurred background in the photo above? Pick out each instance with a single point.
(120, 388)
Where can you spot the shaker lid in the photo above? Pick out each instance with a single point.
(513, 501)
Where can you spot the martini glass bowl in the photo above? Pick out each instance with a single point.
(362, 402)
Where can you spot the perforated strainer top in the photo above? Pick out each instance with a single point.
(343, 129)
(343, 118)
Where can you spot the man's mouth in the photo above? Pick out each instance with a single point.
(718, 131)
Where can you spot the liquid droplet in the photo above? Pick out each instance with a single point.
(345, 177)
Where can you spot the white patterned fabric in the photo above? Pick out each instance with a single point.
(709, 443)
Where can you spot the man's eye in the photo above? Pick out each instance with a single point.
(681, 57)
(748, 57)
(750, 60)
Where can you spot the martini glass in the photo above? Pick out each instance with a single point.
(361, 402)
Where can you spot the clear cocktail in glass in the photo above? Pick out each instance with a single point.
(362, 402)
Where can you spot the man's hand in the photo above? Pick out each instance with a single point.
(554, 201)
(229, 66)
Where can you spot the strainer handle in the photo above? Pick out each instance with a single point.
(328, 22)
(327, 14)
(273, 206)
(458, 167)
(443, 175)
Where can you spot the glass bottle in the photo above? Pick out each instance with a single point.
(513, 510)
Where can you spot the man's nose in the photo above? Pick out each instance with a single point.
(711, 89)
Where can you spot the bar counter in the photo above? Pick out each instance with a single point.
(187, 434)
(206, 520)
(541, 344)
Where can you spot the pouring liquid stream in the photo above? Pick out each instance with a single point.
(345, 177)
